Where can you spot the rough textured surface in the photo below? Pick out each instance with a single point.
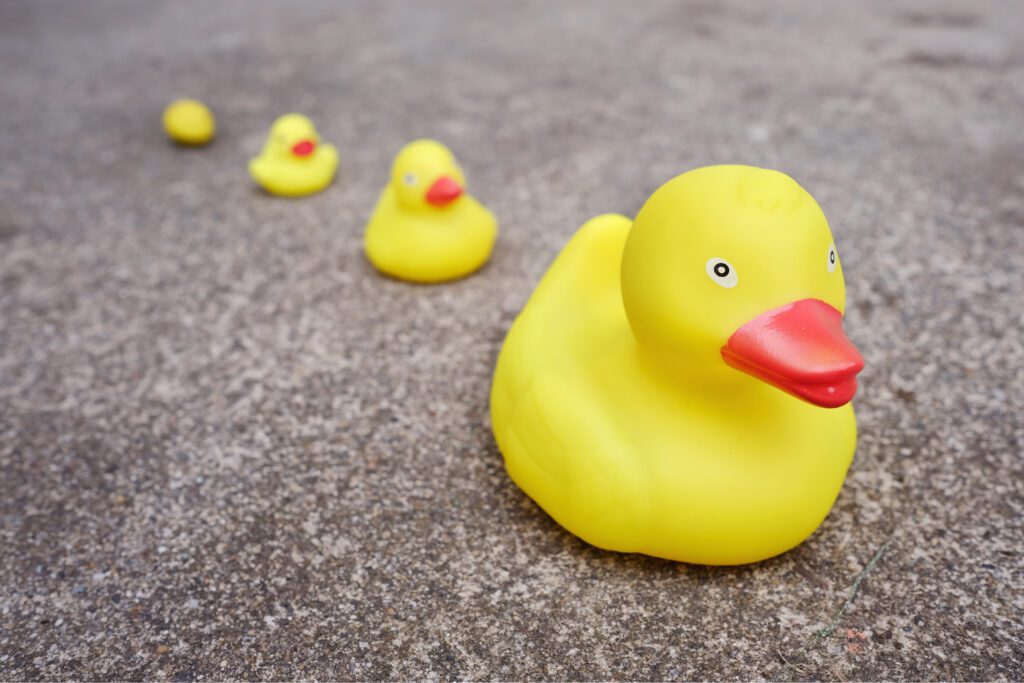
(231, 450)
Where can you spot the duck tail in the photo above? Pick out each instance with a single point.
(606, 222)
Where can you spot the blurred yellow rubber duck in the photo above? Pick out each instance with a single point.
(425, 228)
(189, 122)
(294, 162)
(637, 396)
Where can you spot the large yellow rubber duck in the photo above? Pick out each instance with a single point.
(680, 387)
(425, 228)
(294, 162)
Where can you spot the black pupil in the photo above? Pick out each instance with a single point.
(831, 257)
(721, 269)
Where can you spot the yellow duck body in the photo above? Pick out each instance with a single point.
(425, 228)
(293, 161)
(613, 402)
(189, 122)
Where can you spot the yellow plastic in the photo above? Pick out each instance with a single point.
(611, 402)
(189, 122)
(411, 238)
(293, 162)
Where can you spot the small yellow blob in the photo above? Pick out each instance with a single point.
(189, 122)
(426, 228)
(294, 162)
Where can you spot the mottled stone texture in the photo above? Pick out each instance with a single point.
(230, 450)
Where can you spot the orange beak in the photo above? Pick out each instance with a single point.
(444, 191)
(800, 348)
(303, 148)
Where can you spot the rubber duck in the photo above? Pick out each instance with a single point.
(294, 162)
(189, 122)
(425, 227)
(679, 385)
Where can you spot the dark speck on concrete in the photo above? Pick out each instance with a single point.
(7, 231)
(229, 450)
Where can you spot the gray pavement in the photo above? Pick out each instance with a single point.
(228, 449)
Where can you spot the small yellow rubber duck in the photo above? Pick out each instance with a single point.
(680, 386)
(189, 122)
(425, 228)
(293, 162)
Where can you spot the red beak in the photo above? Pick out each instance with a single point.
(303, 148)
(444, 191)
(800, 348)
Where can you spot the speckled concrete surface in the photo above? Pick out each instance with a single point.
(230, 450)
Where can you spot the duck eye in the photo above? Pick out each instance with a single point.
(410, 179)
(832, 258)
(721, 272)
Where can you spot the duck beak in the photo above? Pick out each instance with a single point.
(444, 191)
(800, 348)
(303, 148)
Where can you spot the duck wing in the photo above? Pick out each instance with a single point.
(545, 413)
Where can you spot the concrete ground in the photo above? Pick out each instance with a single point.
(229, 449)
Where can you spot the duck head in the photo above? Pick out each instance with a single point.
(425, 176)
(733, 269)
(292, 137)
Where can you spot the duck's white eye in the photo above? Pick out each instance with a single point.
(832, 258)
(410, 179)
(721, 272)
